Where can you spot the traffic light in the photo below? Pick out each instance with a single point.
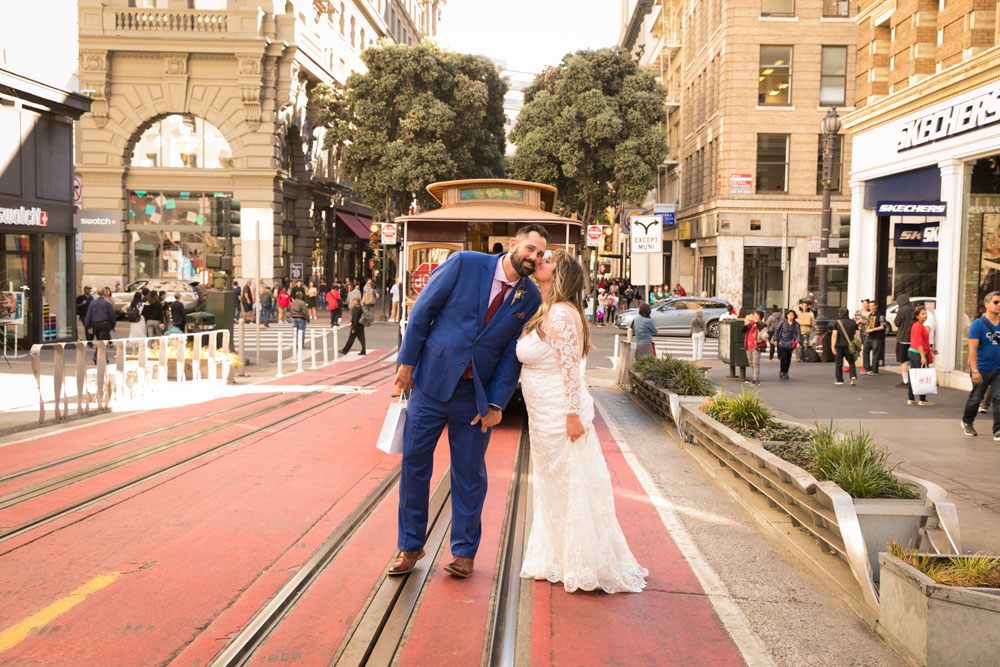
(608, 238)
(376, 235)
(843, 242)
(225, 217)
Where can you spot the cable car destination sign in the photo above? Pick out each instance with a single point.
(647, 234)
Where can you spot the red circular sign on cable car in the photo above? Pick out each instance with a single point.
(421, 275)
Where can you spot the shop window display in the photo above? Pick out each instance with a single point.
(981, 257)
(172, 236)
(182, 140)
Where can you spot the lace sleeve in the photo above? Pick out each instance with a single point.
(562, 331)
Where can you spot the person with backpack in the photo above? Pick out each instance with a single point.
(359, 320)
(299, 311)
(266, 300)
(755, 341)
(153, 314)
(368, 299)
(284, 301)
(846, 343)
(133, 314)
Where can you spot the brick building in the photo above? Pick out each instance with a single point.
(925, 174)
(750, 81)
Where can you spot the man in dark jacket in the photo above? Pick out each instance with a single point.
(357, 329)
(100, 318)
(299, 311)
(902, 323)
(178, 316)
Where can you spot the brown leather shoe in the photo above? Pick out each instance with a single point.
(460, 567)
(404, 562)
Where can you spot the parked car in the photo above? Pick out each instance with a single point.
(890, 313)
(191, 294)
(673, 316)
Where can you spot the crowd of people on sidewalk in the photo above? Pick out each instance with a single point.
(273, 303)
(618, 294)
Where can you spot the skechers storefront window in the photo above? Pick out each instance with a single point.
(174, 235)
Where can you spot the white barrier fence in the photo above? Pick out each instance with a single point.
(297, 351)
(134, 373)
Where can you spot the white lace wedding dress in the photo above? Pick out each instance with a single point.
(575, 537)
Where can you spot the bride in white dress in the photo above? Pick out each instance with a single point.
(575, 537)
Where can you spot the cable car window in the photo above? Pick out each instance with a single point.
(508, 194)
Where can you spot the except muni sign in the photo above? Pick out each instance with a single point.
(973, 114)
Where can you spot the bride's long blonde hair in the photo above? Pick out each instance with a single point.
(567, 287)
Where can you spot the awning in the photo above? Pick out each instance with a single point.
(360, 229)
(366, 221)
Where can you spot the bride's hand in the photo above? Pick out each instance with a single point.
(574, 427)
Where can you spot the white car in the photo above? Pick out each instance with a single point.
(190, 296)
(890, 313)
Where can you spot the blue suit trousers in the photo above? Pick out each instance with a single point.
(426, 418)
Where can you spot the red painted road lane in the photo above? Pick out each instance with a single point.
(672, 622)
(59, 498)
(450, 623)
(320, 621)
(189, 546)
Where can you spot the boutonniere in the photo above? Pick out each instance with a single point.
(519, 314)
(518, 295)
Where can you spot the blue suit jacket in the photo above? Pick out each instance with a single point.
(445, 331)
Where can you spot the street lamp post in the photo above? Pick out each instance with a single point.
(829, 129)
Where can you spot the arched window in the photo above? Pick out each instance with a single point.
(182, 140)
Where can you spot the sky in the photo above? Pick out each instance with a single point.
(529, 34)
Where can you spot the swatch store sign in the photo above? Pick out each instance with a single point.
(24, 217)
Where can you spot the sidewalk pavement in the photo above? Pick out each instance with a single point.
(925, 441)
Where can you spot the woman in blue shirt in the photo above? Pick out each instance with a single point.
(644, 330)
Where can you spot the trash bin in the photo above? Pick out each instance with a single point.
(731, 349)
(220, 305)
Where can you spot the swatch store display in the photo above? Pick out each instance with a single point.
(926, 198)
(178, 235)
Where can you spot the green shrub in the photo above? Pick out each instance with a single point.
(675, 375)
(745, 413)
(855, 464)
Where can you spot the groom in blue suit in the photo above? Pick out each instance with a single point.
(458, 357)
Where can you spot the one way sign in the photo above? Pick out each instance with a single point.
(647, 234)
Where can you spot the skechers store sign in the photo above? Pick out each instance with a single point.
(916, 235)
(980, 111)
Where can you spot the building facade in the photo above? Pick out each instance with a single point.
(197, 101)
(925, 174)
(749, 82)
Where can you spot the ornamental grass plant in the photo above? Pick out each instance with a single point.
(980, 570)
(675, 375)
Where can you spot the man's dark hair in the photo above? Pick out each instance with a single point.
(644, 310)
(538, 229)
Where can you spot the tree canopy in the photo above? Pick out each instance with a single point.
(418, 115)
(592, 127)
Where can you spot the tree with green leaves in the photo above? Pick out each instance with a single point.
(418, 115)
(592, 127)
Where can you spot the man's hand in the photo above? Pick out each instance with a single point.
(491, 419)
(404, 377)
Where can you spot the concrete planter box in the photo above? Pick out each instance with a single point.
(934, 625)
(849, 528)
(664, 403)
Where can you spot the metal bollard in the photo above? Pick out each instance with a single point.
(280, 352)
(312, 350)
(242, 348)
(614, 355)
(298, 356)
(336, 343)
(326, 356)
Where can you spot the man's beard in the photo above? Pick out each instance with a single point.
(520, 265)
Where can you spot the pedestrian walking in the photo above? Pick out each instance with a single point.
(697, 330)
(247, 301)
(237, 300)
(788, 334)
(312, 294)
(353, 292)
(368, 299)
(358, 324)
(610, 307)
(394, 292)
(754, 341)
(875, 340)
(861, 319)
(133, 315)
(771, 323)
(919, 353)
(333, 304)
(805, 319)
(299, 310)
(100, 319)
(178, 315)
(266, 301)
(284, 301)
(984, 366)
(644, 329)
(83, 302)
(153, 313)
(903, 322)
(846, 343)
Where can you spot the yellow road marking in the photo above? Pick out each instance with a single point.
(15, 634)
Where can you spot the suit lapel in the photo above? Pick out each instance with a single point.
(485, 283)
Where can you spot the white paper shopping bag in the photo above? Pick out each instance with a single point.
(923, 381)
(390, 438)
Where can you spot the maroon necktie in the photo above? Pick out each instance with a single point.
(490, 312)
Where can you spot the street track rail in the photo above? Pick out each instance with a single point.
(90, 500)
(378, 631)
(163, 429)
